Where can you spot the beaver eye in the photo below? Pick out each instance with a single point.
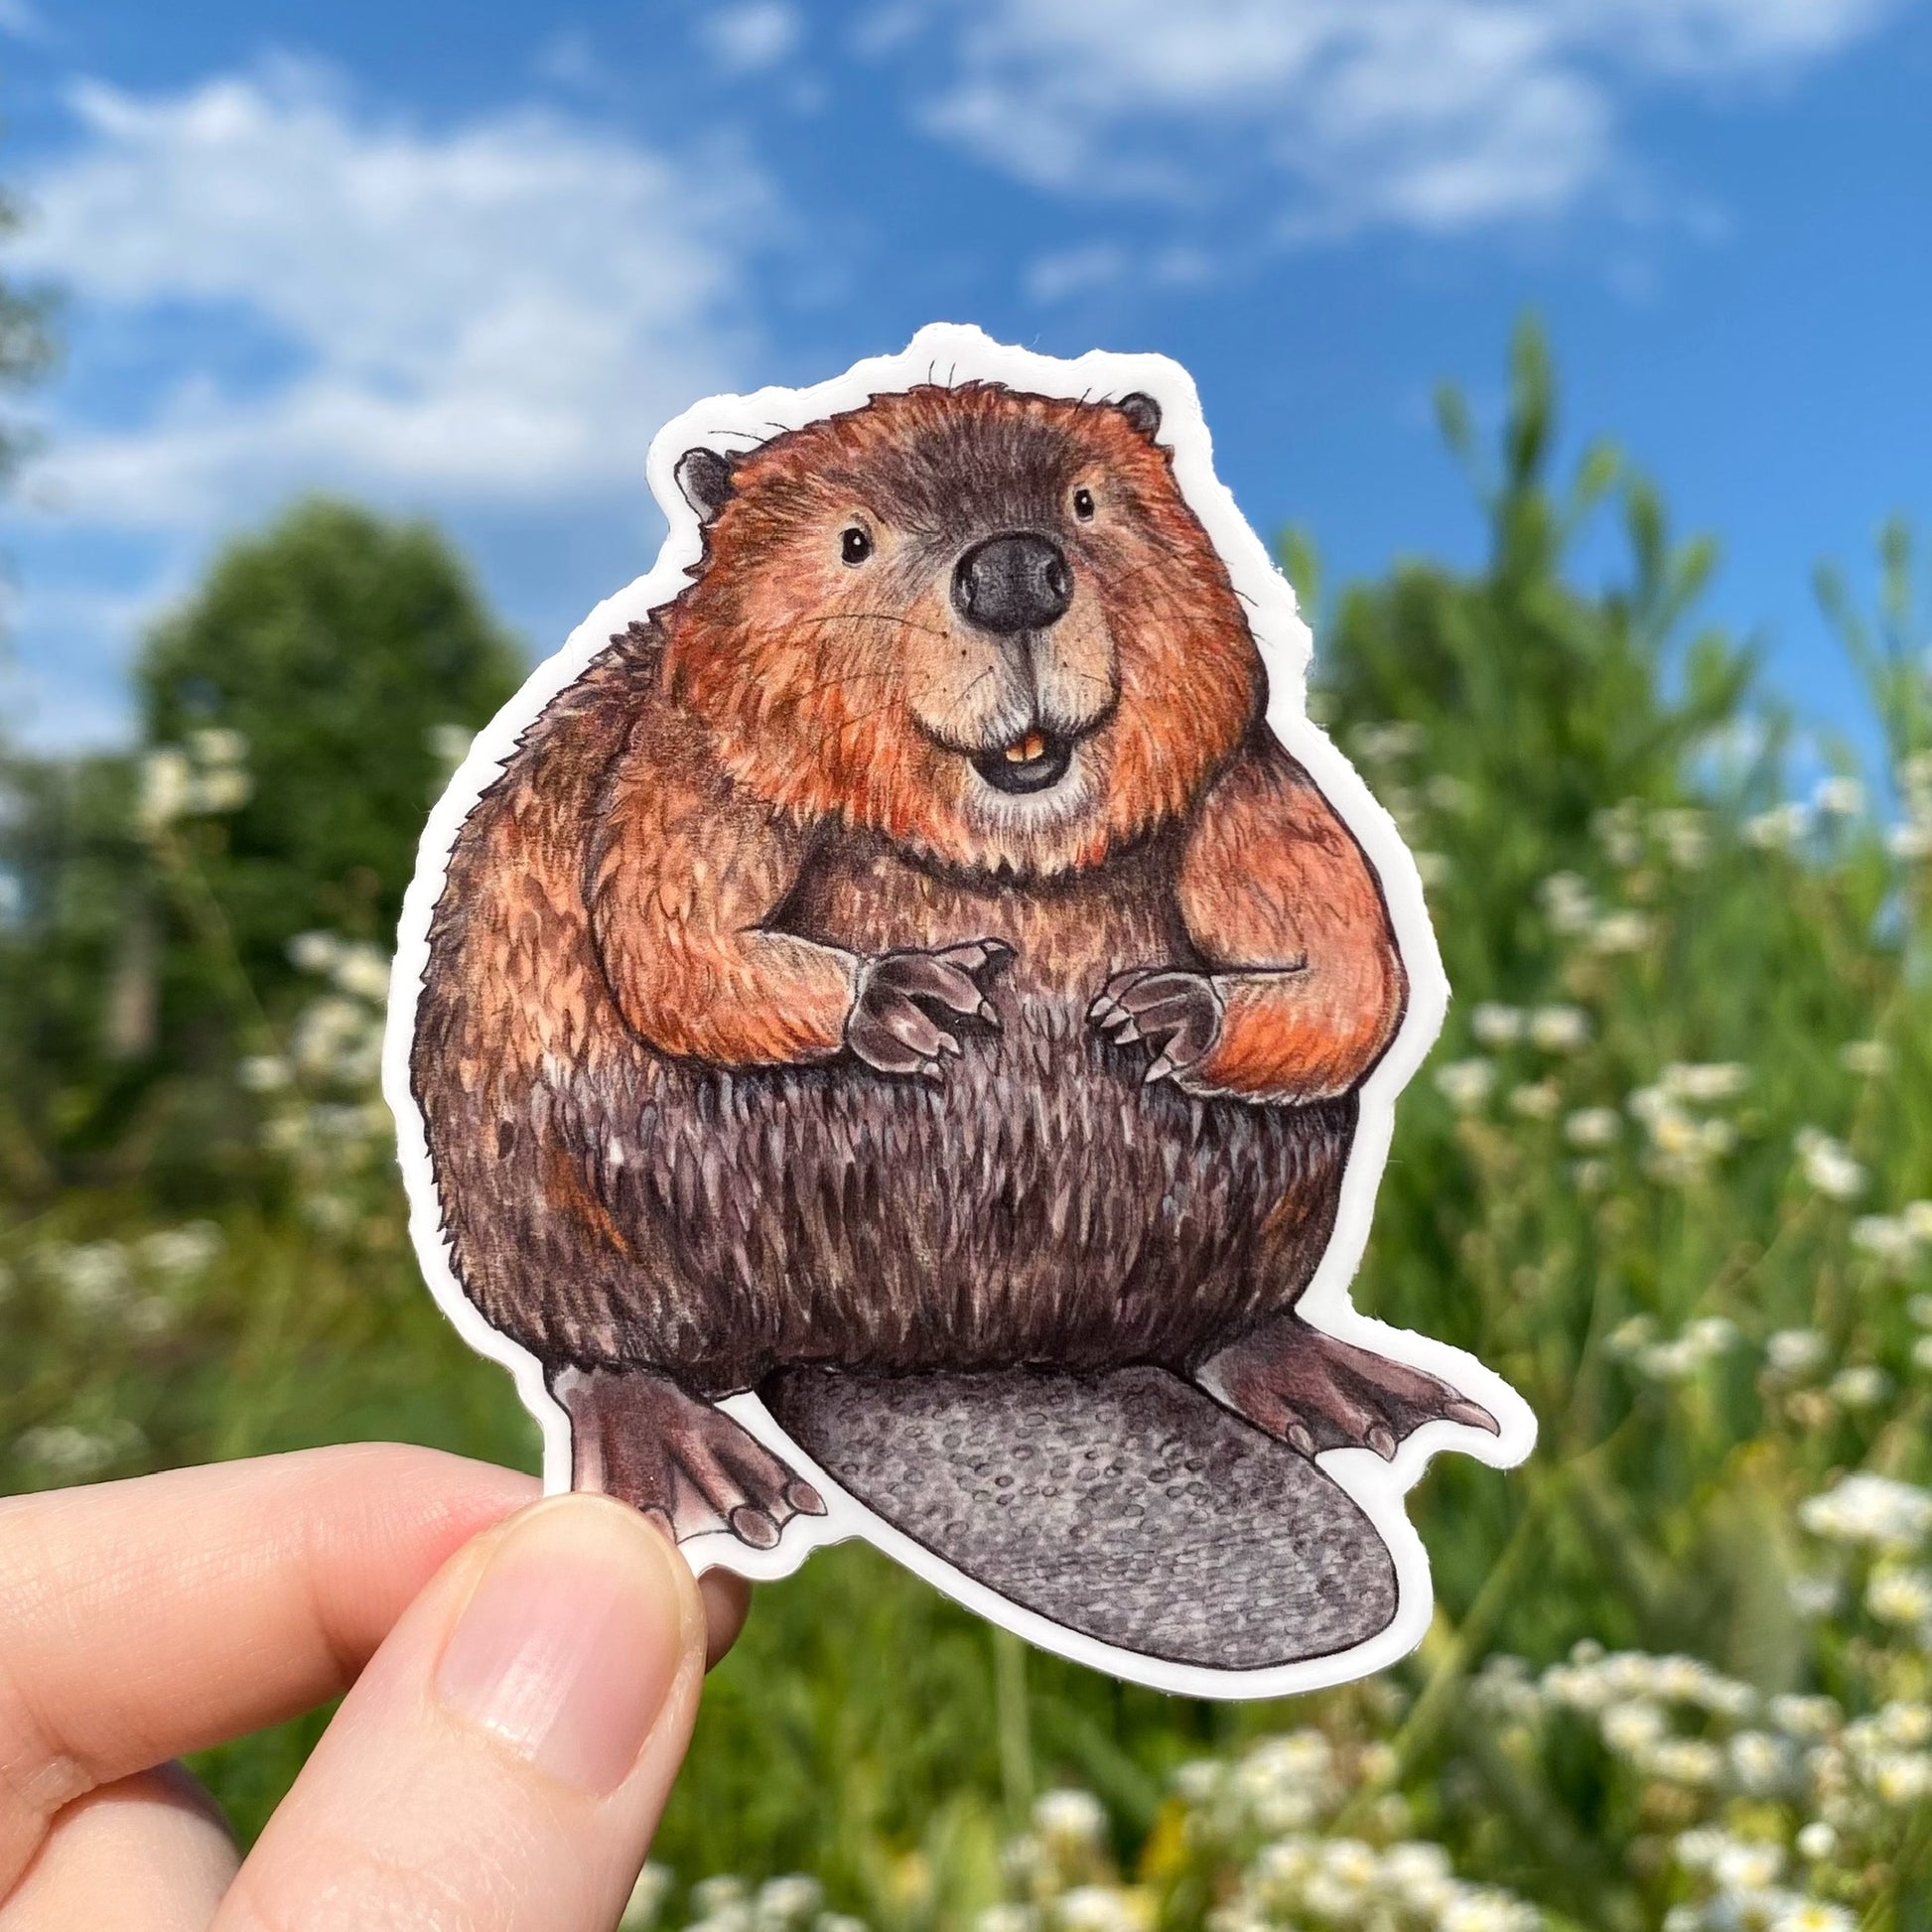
(1083, 504)
(855, 545)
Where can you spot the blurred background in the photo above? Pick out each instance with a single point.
(1572, 352)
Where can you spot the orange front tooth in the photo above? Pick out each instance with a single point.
(1032, 748)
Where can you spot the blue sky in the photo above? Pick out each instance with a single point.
(465, 258)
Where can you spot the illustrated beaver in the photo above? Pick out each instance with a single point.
(910, 953)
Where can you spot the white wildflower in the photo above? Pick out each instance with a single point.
(646, 1900)
(1630, 1336)
(1919, 1308)
(1431, 868)
(181, 1253)
(1901, 1777)
(1759, 1764)
(1101, 1908)
(1816, 1841)
(1814, 1915)
(1449, 794)
(1778, 829)
(1567, 902)
(1633, 1729)
(1684, 835)
(1467, 1084)
(1866, 1057)
(314, 952)
(1070, 1817)
(1861, 1387)
(1537, 1100)
(218, 744)
(1812, 1596)
(1838, 797)
(448, 744)
(1900, 1595)
(1619, 830)
(1887, 1238)
(166, 790)
(789, 1899)
(1871, 1509)
(1748, 1865)
(1491, 1024)
(1689, 1761)
(1670, 1361)
(1625, 931)
(225, 789)
(1478, 1909)
(1909, 841)
(263, 1073)
(1592, 1127)
(711, 1897)
(1795, 1351)
(362, 971)
(75, 1454)
(95, 1279)
(1922, 1354)
(1810, 1719)
(1904, 1721)
(1560, 1030)
(1707, 1082)
(1829, 1165)
(1007, 1918)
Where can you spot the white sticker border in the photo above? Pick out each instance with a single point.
(951, 354)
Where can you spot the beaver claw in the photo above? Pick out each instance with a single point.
(1315, 1393)
(1176, 1012)
(888, 1027)
(642, 1438)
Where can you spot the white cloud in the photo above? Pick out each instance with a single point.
(501, 313)
(1430, 114)
(1075, 271)
(748, 39)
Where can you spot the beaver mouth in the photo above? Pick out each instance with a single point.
(1036, 761)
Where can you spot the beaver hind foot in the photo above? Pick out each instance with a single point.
(636, 1436)
(1314, 1393)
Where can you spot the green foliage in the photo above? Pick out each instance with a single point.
(337, 644)
(28, 345)
(1668, 1171)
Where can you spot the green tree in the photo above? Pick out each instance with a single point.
(345, 648)
(28, 345)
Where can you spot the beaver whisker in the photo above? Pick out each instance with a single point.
(944, 724)
(795, 700)
(868, 617)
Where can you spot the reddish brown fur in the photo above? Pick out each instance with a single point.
(650, 1139)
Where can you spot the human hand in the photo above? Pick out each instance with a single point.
(521, 1675)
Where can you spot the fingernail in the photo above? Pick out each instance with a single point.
(570, 1643)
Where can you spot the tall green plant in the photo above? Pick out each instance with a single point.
(348, 654)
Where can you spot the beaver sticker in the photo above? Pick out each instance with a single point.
(896, 1029)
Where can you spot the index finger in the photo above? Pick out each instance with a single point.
(145, 1618)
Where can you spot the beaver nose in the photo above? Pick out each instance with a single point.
(1018, 582)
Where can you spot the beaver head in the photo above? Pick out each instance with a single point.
(981, 624)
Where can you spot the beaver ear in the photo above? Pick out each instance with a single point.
(705, 477)
(1143, 412)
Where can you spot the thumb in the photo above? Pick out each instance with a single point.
(503, 1759)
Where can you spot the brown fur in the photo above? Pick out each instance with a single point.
(651, 1142)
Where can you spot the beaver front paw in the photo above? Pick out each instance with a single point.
(636, 1436)
(1180, 1013)
(889, 1029)
(1313, 1392)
